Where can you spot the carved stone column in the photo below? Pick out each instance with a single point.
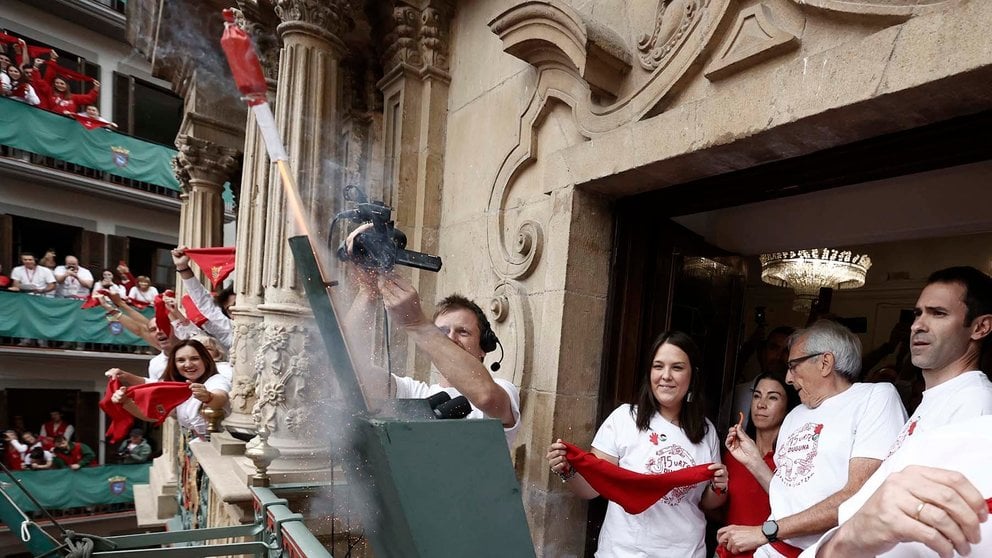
(415, 101)
(251, 231)
(291, 367)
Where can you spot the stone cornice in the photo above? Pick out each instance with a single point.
(327, 19)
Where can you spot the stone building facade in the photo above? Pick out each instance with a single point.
(506, 134)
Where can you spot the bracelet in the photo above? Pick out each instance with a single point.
(182, 270)
(565, 477)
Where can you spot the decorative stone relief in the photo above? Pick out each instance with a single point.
(182, 176)
(205, 160)
(511, 315)
(878, 7)
(243, 391)
(283, 390)
(673, 24)
(755, 38)
(329, 17)
(417, 39)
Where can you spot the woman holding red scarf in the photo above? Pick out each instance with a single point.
(20, 89)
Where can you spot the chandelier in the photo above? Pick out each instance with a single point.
(806, 271)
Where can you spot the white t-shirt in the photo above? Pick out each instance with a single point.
(156, 367)
(225, 369)
(408, 388)
(72, 287)
(38, 278)
(113, 288)
(147, 297)
(188, 413)
(964, 446)
(815, 447)
(674, 526)
(965, 396)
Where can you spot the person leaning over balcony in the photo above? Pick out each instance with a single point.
(107, 283)
(190, 362)
(73, 280)
(219, 323)
(144, 292)
(93, 113)
(135, 449)
(20, 87)
(72, 455)
(31, 278)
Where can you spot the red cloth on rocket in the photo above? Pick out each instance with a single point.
(635, 492)
(217, 263)
(162, 321)
(241, 56)
(155, 400)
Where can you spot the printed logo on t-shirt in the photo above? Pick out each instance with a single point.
(671, 458)
(655, 438)
(796, 454)
(906, 431)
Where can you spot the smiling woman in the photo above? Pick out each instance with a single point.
(664, 431)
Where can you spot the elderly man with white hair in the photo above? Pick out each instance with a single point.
(827, 447)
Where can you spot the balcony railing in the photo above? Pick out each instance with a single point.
(59, 142)
(37, 320)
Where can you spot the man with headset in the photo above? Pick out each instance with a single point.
(456, 340)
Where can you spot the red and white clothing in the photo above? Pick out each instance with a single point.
(964, 446)
(113, 288)
(23, 92)
(156, 367)
(217, 325)
(52, 429)
(815, 447)
(36, 280)
(962, 397)
(674, 526)
(747, 501)
(72, 287)
(408, 388)
(146, 297)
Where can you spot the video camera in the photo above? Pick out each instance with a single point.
(383, 246)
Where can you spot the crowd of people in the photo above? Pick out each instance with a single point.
(32, 75)
(54, 447)
(842, 473)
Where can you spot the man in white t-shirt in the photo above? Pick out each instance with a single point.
(827, 447)
(73, 280)
(931, 498)
(456, 340)
(31, 278)
(953, 322)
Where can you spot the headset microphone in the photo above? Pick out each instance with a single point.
(496, 365)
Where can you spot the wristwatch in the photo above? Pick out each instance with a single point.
(770, 530)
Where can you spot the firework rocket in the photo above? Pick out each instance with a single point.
(247, 71)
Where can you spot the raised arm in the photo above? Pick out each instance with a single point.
(464, 371)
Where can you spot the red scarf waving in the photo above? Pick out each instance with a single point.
(155, 400)
(635, 492)
(217, 263)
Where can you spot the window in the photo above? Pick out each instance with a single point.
(146, 111)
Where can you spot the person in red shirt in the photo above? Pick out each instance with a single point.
(56, 427)
(72, 455)
(64, 101)
(749, 454)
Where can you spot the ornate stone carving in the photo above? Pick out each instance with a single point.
(673, 24)
(755, 37)
(877, 7)
(329, 18)
(418, 38)
(181, 175)
(205, 160)
(283, 390)
(511, 311)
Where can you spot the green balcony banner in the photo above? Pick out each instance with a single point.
(44, 133)
(62, 489)
(61, 319)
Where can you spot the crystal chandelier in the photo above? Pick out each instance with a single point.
(806, 271)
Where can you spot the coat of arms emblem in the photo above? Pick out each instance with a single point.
(120, 156)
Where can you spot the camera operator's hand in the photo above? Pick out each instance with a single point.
(364, 277)
(401, 300)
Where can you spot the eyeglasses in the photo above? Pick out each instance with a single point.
(792, 364)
